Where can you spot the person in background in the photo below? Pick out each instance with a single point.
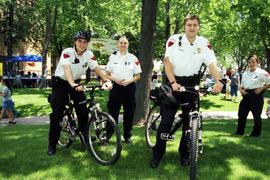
(254, 82)
(124, 70)
(235, 81)
(7, 103)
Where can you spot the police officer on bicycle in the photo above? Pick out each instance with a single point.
(185, 53)
(72, 65)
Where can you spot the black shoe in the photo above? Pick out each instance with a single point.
(155, 162)
(239, 134)
(127, 140)
(51, 150)
(12, 122)
(184, 161)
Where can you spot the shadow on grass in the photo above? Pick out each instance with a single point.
(33, 110)
(23, 148)
(207, 104)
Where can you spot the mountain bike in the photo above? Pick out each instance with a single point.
(103, 146)
(193, 133)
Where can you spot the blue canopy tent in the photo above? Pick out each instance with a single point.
(25, 58)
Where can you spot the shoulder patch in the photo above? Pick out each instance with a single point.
(171, 42)
(137, 62)
(65, 55)
(93, 58)
(209, 46)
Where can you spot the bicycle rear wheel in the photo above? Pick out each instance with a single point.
(152, 124)
(67, 132)
(105, 146)
(194, 147)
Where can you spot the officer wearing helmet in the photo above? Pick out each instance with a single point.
(185, 53)
(66, 83)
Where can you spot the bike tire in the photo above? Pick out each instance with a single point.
(152, 124)
(66, 137)
(194, 148)
(105, 150)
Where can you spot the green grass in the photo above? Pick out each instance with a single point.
(33, 102)
(23, 156)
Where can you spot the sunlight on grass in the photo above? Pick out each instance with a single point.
(240, 171)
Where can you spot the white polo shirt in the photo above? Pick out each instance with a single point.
(79, 66)
(123, 67)
(186, 58)
(255, 79)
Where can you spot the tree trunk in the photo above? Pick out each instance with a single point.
(149, 15)
(167, 21)
(50, 27)
(267, 55)
(8, 65)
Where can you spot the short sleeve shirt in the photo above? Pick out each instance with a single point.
(78, 64)
(186, 58)
(255, 79)
(7, 94)
(123, 66)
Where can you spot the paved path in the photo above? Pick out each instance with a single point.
(206, 115)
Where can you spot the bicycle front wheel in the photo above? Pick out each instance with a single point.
(152, 124)
(104, 137)
(194, 147)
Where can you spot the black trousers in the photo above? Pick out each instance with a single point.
(254, 103)
(167, 118)
(125, 96)
(61, 91)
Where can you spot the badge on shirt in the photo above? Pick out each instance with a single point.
(199, 50)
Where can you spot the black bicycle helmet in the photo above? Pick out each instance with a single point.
(165, 95)
(82, 35)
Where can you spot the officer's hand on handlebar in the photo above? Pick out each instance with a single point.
(77, 87)
(176, 87)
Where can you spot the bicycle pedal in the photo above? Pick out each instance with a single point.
(167, 137)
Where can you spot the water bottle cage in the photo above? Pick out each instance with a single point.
(167, 137)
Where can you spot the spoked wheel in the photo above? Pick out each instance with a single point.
(194, 148)
(67, 133)
(152, 124)
(104, 137)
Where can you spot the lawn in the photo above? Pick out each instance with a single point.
(23, 156)
(33, 102)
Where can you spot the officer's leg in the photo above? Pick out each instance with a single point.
(114, 105)
(58, 101)
(256, 109)
(183, 150)
(79, 100)
(129, 105)
(243, 111)
(167, 118)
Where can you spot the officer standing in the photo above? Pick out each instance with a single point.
(124, 70)
(66, 83)
(254, 82)
(185, 53)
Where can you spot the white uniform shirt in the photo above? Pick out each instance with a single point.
(78, 66)
(123, 67)
(187, 59)
(255, 79)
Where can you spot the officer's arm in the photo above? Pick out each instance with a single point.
(169, 70)
(68, 75)
(216, 74)
(101, 73)
(136, 77)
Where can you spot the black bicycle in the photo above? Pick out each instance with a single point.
(193, 133)
(104, 146)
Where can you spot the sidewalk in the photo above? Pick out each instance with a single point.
(206, 115)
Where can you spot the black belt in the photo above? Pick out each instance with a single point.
(250, 90)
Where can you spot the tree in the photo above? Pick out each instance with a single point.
(149, 14)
